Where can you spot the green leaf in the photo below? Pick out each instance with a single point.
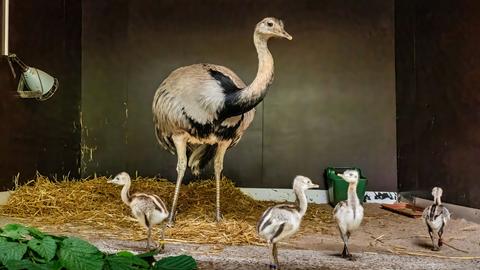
(26, 264)
(54, 265)
(148, 256)
(124, 261)
(182, 262)
(58, 238)
(36, 233)
(11, 251)
(14, 231)
(123, 253)
(77, 254)
(46, 247)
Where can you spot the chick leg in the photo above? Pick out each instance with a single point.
(275, 255)
(344, 234)
(349, 255)
(149, 236)
(434, 244)
(440, 233)
(272, 264)
(162, 242)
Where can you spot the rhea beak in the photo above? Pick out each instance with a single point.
(286, 35)
(110, 181)
(314, 186)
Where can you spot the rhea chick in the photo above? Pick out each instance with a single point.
(148, 209)
(282, 221)
(348, 214)
(436, 217)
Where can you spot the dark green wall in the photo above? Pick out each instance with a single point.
(332, 101)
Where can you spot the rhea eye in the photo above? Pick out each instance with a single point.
(270, 24)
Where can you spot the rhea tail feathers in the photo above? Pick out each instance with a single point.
(200, 156)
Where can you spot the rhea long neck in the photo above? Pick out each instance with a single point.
(352, 194)
(437, 200)
(258, 87)
(242, 101)
(301, 201)
(125, 194)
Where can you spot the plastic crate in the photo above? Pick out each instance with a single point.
(338, 188)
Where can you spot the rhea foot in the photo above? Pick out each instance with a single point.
(171, 220)
(219, 217)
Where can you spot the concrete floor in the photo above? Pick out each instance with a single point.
(381, 243)
(255, 257)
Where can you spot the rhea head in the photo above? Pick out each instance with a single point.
(303, 183)
(437, 192)
(271, 27)
(120, 179)
(351, 176)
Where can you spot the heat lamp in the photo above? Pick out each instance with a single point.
(33, 82)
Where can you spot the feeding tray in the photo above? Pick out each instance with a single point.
(404, 209)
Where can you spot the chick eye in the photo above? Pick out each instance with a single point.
(270, 24)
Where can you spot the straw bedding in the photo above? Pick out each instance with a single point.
(92, 207)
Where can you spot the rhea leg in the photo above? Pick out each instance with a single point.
(440, 233)
(219, 155)
(162, 242)
(434, 245)
(345, 236)
(275, 255)
(273, 264)
(149, 236)
(180, 142)
(349, 255)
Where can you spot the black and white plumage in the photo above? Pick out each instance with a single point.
(148, 209)
(348, 214)
(436, 217)
(282, 221)
(202, 110)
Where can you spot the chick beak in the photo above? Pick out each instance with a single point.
(109, 181)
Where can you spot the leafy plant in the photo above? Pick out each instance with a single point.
(182, 262)
(28, 248)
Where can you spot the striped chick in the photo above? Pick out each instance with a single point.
(436, 217)
(282, 221)
(148, 209)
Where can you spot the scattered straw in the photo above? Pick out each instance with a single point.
(425, 254)
(92, 207)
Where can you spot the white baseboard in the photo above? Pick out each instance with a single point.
(314, 196)
(4, 195)
(285, 195)
(457, 211)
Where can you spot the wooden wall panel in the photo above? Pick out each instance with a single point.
(42, 136)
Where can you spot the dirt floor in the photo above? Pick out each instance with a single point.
(385, 241)
(386, 232)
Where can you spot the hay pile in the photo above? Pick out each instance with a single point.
(93, 208)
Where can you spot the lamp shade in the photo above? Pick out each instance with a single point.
(40, 85)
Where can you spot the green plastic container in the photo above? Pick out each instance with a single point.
(338, 188)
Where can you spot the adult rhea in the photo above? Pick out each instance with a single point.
(202, 110)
